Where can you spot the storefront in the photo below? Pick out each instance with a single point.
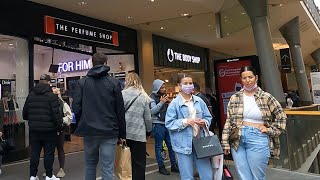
(172, 57)
(40, 39)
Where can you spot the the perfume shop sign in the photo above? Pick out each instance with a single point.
(73, 66)
(65, 28)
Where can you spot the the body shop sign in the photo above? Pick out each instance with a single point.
(171, 53)
(73, 66)
(61, 27)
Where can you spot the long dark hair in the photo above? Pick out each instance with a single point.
(248, 68)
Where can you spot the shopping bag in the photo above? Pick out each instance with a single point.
(208, 146)
(122, 165)
(217, 167)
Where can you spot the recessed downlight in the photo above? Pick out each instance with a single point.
(185, 14)
(82, 3)
(10, 44)
(162, 27)
(129, 17)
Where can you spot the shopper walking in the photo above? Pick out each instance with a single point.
(256, 119)
(99, 110)
(138, 123)
(159, 104)
(186, 116)
(41, 110)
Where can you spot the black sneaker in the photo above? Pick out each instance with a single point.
(164, 171)
(175, 169)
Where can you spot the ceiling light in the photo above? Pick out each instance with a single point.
(280, 5)
(162, 28)
(243, 13)
(129, 17)
(82, 3)
(166, 80)
(10, 44)
(185, 14)
(151, 0)
(228, 34)
(38, 49)
(0, 43)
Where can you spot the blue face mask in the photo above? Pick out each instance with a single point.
(187, 88)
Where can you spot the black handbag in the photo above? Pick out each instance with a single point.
(4, 147)
(208, 146)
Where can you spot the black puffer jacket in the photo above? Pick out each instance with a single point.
(42, 111)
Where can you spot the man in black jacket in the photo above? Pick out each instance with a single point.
(99, 109)
(42, 111)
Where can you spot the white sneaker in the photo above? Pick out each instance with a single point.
(52, 178)
(61, 173)
(34, 178)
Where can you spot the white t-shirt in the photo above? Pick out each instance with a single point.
(251, 111)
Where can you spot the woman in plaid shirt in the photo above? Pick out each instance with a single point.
(260, 120)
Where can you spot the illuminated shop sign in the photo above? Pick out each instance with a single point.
(75, 66)
(172, 55)
(61, 27)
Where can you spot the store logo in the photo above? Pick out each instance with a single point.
(65, 28)
(171, 55)
(74, 66)
(222, 72)
(6, 82)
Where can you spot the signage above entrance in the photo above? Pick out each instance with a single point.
(75, 66)
(61, 27)
(171, 53)
(182, 57)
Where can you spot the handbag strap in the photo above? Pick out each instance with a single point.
(132, 102)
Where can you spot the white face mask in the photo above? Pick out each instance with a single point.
(250, 88)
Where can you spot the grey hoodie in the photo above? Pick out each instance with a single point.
(138, 117)
(154, 106)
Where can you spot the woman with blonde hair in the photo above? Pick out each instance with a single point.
(138, 122)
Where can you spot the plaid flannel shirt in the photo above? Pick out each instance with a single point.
(272, 115)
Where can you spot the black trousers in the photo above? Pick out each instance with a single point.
(138, 159)
(36, 147)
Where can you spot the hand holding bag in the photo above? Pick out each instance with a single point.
(208, 146)
(122, 165)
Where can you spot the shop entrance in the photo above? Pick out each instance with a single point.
(72, 66)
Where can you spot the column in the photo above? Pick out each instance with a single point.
(290, 31)
(146, 62)
(257, 12)
(316, 56)
(21, 57)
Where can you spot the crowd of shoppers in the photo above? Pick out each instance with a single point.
(107, 115)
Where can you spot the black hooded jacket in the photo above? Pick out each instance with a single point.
(42, 110)
(98, 105)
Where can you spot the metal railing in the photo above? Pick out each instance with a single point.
(313, 10)
(301, 137)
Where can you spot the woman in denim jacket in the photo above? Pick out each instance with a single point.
(187, 114)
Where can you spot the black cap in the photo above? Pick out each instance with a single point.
(45, 77)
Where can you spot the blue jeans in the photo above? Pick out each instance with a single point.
(252, 156)
(95, 147)
(186, 166)
(161, 134)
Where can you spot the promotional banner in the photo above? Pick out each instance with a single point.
(315, 83)
(228, 82)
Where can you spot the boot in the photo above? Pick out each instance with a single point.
(164, 171)
(175, 169)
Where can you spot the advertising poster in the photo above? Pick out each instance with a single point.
(315, 83)
(228, 82)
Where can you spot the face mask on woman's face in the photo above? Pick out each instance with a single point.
(187, 88)
(250, 88)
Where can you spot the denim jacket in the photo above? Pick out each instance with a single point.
(181, 136)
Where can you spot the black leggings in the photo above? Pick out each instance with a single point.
(61, 155)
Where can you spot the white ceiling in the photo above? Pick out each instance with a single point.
(199, 27)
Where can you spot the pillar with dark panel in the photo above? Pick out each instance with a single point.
(291, 32)
(258, 12)
(316, 56)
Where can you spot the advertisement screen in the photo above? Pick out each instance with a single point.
(228, 83)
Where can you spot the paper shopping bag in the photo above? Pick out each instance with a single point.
(123, 162)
